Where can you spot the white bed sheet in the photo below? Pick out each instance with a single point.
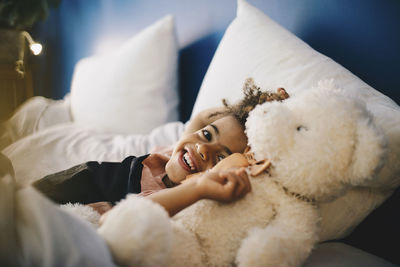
(62, 146)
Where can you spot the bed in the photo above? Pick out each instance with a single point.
(171, 61)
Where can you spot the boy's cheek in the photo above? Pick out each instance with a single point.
(173, 170)
(236, 160)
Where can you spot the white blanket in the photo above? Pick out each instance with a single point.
(65, 145)
(34, 115)
(41, 139)
(36, 232)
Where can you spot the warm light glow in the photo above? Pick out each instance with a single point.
(36, 48)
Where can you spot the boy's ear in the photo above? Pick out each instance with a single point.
(369, 153)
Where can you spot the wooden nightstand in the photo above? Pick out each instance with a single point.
(15, 73)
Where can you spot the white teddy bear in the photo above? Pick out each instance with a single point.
(320, 143)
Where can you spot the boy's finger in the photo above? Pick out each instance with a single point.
(236, 183)
(246, 179)
(245, 183)
(222, 178)
(241, 186)
(230, 186)
(242, 175)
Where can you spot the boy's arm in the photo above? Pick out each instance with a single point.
(223, 186)
(227, 181)
(203, 118)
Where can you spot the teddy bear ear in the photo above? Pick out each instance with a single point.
(369, 152)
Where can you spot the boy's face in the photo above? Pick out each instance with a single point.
(203, 149)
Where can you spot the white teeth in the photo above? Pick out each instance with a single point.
(188, 161)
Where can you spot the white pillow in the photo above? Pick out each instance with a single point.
(255, 46)
(132, 89)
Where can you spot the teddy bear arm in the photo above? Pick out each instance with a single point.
(185, 250)
(138, 232)
(285, 241)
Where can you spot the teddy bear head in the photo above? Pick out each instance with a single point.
(320, 141)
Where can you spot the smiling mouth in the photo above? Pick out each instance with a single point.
(187, 162)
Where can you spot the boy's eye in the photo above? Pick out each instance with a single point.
(220, 157)
(207, 134)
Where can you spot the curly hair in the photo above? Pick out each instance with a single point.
(253, 96)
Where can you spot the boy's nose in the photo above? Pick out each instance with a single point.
(204, 150)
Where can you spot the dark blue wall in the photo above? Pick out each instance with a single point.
(362, 35)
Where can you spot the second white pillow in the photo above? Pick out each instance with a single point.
(256, 46)
(132, 89)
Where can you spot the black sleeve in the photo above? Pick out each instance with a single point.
(94, 181)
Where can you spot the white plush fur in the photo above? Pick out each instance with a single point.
(320, 142)
(138, 233)
(84, 212)
(338, 141)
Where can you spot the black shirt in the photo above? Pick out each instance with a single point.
(94, 181)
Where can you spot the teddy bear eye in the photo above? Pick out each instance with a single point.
(301, 128)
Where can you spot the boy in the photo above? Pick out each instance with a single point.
(210, 137)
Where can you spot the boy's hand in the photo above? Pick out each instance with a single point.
(224, 186)
(101, 207)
